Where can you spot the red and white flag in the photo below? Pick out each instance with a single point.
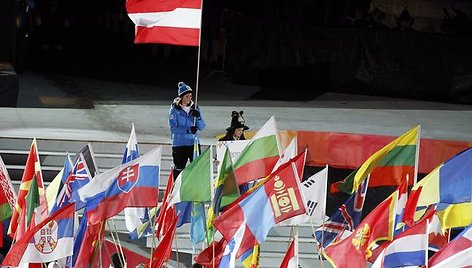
(290, 259)
(175, 22)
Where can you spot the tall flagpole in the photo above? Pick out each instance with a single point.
(417, 155)
(199, 53)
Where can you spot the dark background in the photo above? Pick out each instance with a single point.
(311, 46)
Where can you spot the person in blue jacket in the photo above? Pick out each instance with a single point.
(185, 120)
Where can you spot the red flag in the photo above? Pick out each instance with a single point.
(290, 259)
(410, 207)
(164, 249)
(32, 170)
(175, 22)
(94, 235)
(211, 256)
(166, 215)
(354, 250)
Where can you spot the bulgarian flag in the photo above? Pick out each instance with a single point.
(389, 166)
(260, 156)
(194, 182)
(32, 172)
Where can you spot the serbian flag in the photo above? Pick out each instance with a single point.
(290, 259)
(458, 253)
(134, 184)
(175, 22)
(32, 172)
(49, 240)
(279, 198)
(260, 156)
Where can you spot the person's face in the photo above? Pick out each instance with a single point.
(186, 99)
(238, 132)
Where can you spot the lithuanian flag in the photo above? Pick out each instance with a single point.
(387, 167)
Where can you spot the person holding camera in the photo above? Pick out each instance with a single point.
(185, 120)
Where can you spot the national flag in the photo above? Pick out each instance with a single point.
(164, 249)
(134, 184)
(347, 217)
(437, 237)
(409, 248)
(166, 213)
(49, 240)
(78, 177)
(314, 190)
(290, 259)
(354, 250)
(228, 259)
(32, 171)
(454, 215)
(260, 156)
(250, 258)
(211, 256)
(53, 189)
(175, 22)
(7, 201)
(198, 223)
(225, 188)
(450, 184)
(279, 198)
(388, 166)
(87, 242)
(400, 207)
(289, 152)
(194, 182)
(144, 228)
(458, 253)
(133, 216)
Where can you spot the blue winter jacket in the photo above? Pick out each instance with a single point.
(180, 123)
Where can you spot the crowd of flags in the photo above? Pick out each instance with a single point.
(42, 224)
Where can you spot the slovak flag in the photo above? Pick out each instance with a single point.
(134, 184)
(175, 22)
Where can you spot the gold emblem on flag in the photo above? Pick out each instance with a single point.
(361, 236)
(284, 200)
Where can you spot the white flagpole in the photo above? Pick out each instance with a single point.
(417, 155)
(199, 53)
(296, 248)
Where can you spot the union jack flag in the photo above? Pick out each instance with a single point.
(78, 177)
(347, 217)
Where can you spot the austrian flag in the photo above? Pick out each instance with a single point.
(175, 22)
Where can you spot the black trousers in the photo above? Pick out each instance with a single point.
(181, 155)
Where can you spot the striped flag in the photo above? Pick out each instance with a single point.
(388, 166)
(260, 156)
(175, 22)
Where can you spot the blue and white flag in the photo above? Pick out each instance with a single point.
(229, 255)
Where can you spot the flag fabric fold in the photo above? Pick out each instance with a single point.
(458, 253)
(175, 22)
(134, 184)
(164, 249)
